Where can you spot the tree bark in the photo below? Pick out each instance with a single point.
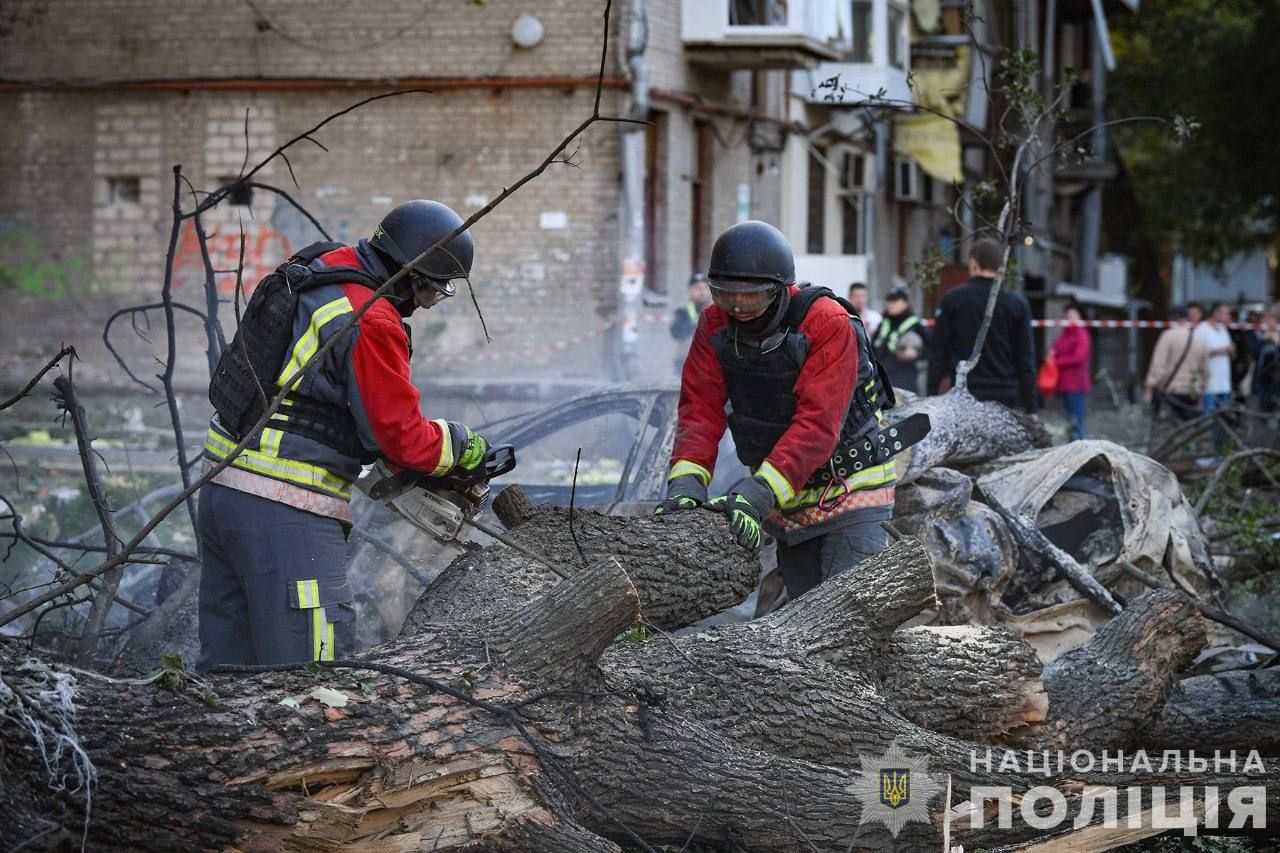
(965, 431)
(685, 565)
(526, 726)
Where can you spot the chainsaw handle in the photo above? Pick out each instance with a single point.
(500, 459)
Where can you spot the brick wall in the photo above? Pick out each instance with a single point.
(86, 179)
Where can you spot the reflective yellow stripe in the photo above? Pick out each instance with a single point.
(876, 477)
(307, 345)
(270, 441)
(781, 487)
(446, 449)
(328, 638)
(308, 593)
(301, 473)
(684, 466)
(317, 633)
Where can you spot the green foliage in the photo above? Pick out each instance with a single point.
(926, 273)
(1208, 67)
(1021, 70)
(637, 633)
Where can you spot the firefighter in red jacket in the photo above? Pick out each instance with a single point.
(789, 370)
(272, 526)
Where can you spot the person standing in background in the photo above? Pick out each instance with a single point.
(1176, 373)
(685, 318)
(1071, 354)
(900, 341)
(1216, 337)
(860, 299)
(1195, 314)
(1006, 373)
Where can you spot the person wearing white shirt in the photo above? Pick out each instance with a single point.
(1214, 334)
(859, 298)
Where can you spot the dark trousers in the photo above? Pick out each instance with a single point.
(1073, 405)
(809, 563)
(273, 586)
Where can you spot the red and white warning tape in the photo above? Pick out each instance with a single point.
(487, 355)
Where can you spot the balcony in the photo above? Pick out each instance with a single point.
(760, 34)
(875, 62)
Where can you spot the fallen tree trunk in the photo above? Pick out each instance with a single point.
(965, 431)
(1231, 710)
(526, 727)
(685, 565)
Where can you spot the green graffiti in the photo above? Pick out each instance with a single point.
(23, 269)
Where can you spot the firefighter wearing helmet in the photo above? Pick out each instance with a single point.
(273, 524)
(789, 370)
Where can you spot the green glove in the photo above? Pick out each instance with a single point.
(748, 501)
(683, 492)
(469, 447)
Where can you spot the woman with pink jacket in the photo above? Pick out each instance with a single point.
(1071, 352)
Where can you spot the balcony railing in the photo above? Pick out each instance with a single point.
(763, 33)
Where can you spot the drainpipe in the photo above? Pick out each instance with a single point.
(632, 242)
(1091, 223)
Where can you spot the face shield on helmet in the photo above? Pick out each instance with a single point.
(431, 291)
(743, 299)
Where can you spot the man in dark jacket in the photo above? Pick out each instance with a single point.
(794, 366)
(900, 341)
(272, 525)
(1006, 372)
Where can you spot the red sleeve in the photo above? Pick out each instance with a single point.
(823, 392)
(390, 402)
(701, 419)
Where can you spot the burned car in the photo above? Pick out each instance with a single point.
(625, 434)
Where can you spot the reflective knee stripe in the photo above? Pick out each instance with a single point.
(266, 462)
(684, 466)
(306, 346)
(321, 635)
(322, 639)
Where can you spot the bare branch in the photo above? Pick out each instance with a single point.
(35, 380)
(317, 358)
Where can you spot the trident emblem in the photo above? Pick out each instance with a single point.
(895, 786)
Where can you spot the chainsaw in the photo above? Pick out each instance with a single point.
(442, 506)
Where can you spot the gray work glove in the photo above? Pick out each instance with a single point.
(683, 492)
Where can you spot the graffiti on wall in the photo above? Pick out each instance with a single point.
(264, 249)
(266, 245)
(26, 268)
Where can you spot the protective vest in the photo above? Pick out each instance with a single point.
(887, 339)
(251, 369)
(760, 377)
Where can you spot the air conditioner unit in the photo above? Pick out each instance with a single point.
(906, 179)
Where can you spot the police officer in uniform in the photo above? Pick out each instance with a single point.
(789, 370)
(900, 341)
(272, 526)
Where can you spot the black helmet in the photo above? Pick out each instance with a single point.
(415, 226)
(754, 251)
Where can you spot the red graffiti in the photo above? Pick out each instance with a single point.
(264, 249)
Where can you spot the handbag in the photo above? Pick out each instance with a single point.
(1047, 379)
